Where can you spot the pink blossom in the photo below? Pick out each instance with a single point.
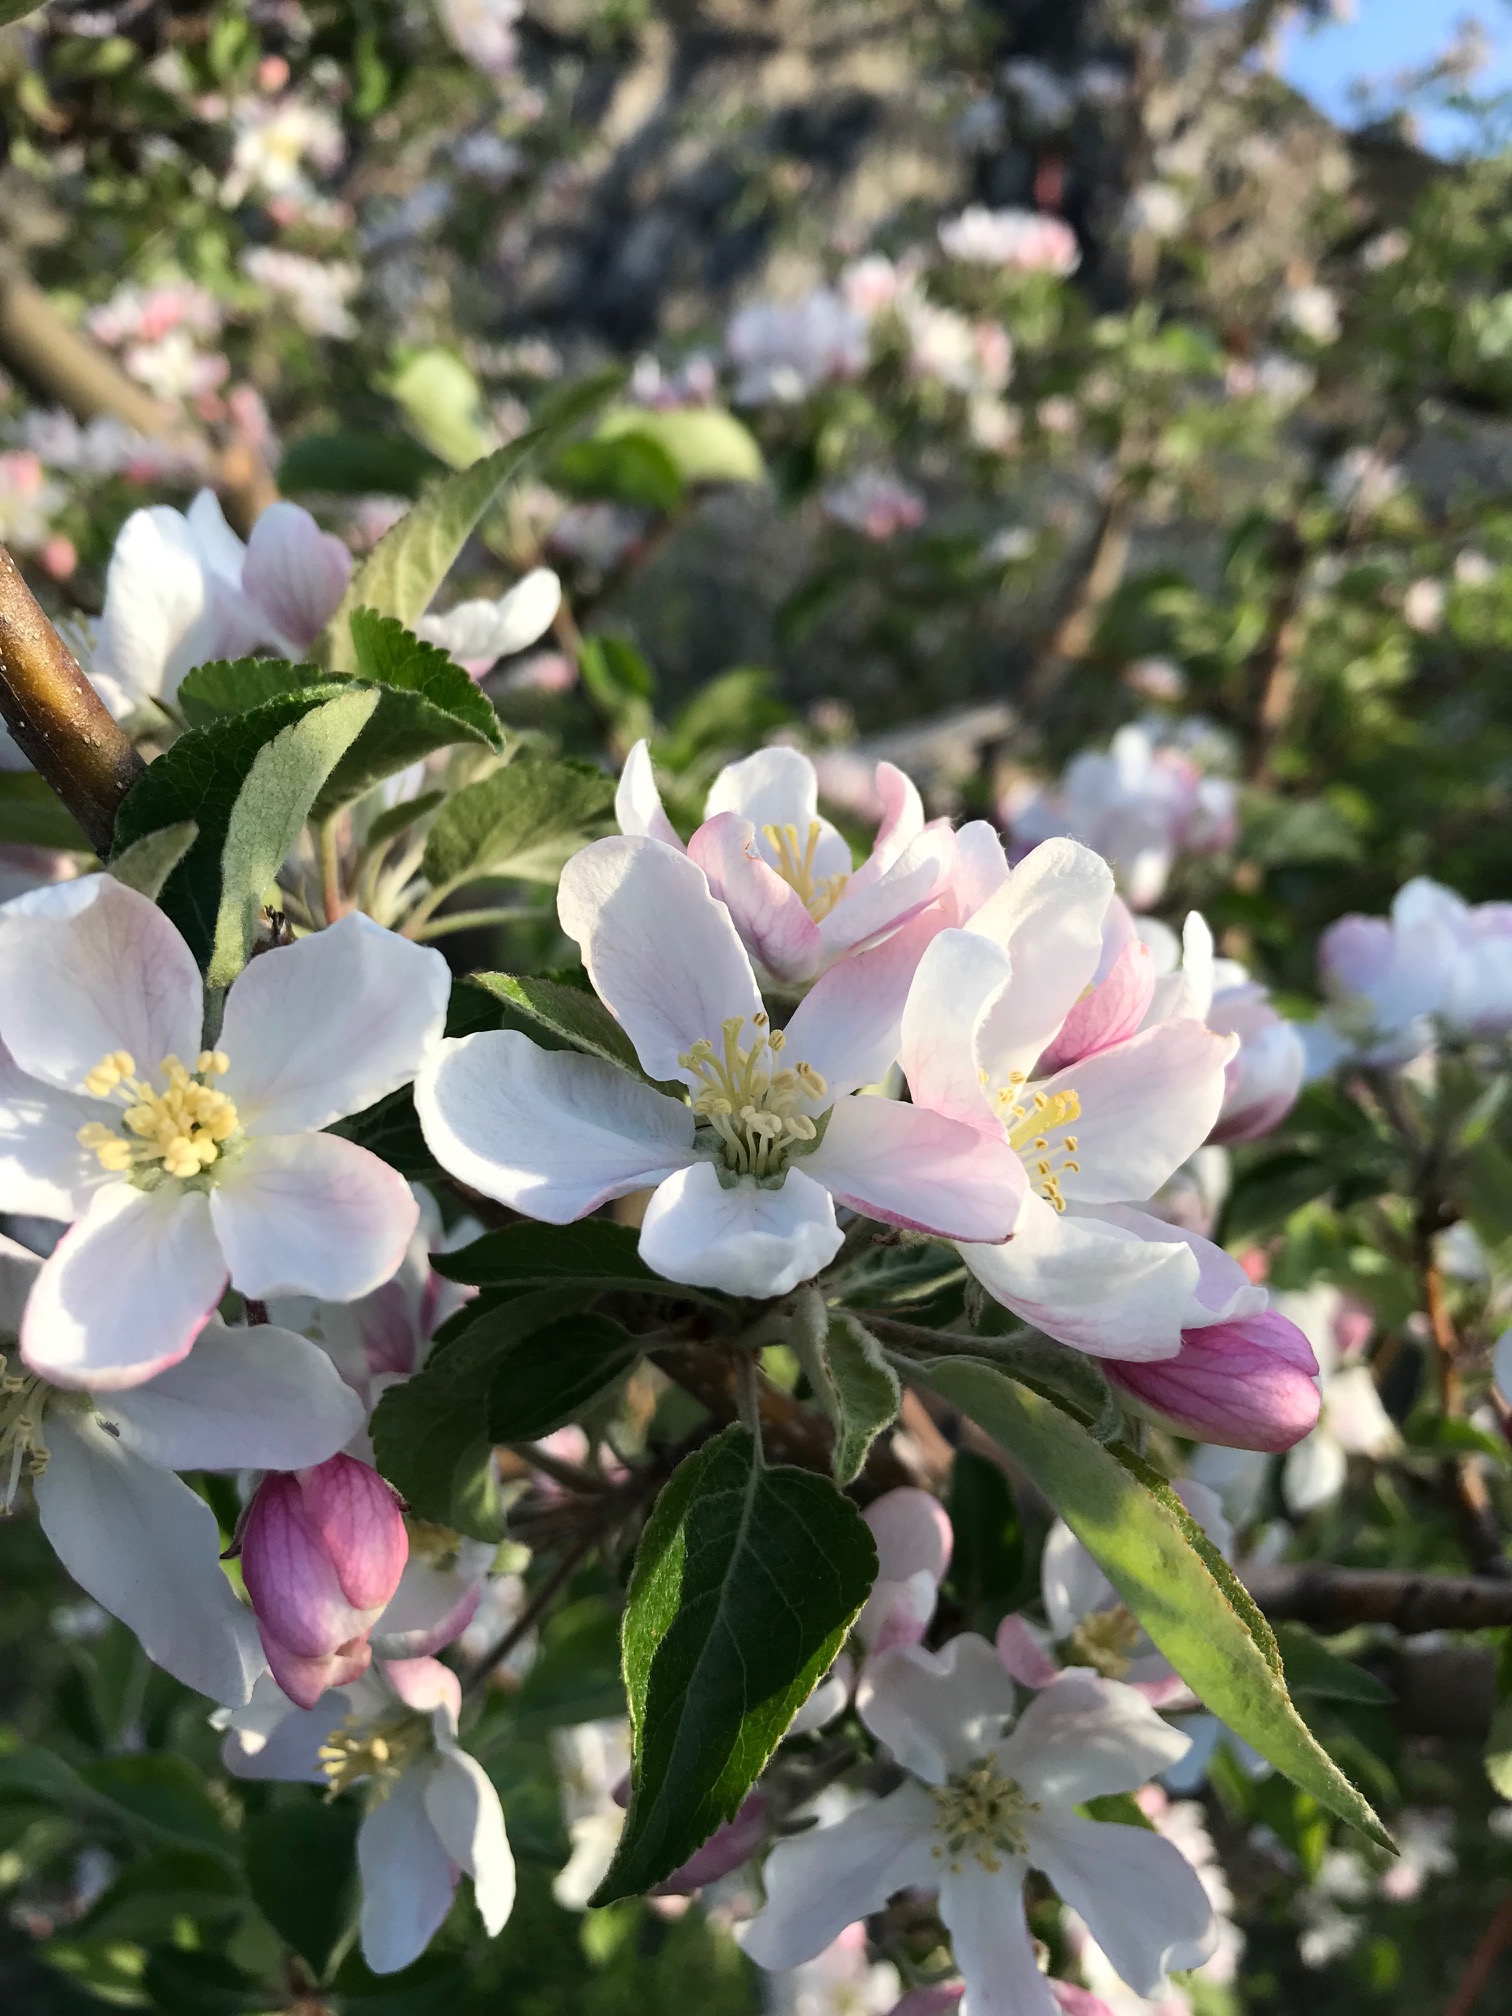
(874, 504)
(1022, 241)
(1247, 1384)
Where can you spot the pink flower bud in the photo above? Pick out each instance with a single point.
(322, 1553)
(1249, 1384)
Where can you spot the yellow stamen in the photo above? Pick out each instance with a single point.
(1031, 1126)
(819, 896)
(981, 1814)
(375, 1752)
(752, 1104)
(1105, 1641)
(23, 1401)
(182, 1128)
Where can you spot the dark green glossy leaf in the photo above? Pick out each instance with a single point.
(301, 1862)
(529, 1255)
(542, 1381)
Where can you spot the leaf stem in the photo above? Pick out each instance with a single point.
(748, 1400)
(474, 920)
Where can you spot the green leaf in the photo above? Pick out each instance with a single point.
(443, 402)
(620, 683)
(431, 1437)
(987, 1558)
(349, 463)
(301, 1863)
(528, 1255)
(282, 785)
(631, 470)
(577, 1018)
(202, 778)
(541, 1381)
(409, 563)
(399, 818)
(523, 821)
(390, 1129)
(147, 863)
(164, 1795)
(745, 1583)
(154, 1891)
(1313, 1668)
(17, 10)
(703, 443)
(852, 1381)
(182, 1983)
(32, 815)
(236, 685)
(1212, 1634)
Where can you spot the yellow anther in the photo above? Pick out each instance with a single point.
(1031, 1131)
(981, 1813)
(753, 1103)
(183, 1127)
(820, 894)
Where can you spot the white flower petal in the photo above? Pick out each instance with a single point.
(44, 1172)
(295, 573)
(908, 1166)
(937, 1711)
(547, 1132)
(983, 1911)
(1146, 1105)
(773, 787)
(126, 1291)
(1314, 1472)
(820, 1882)
(868, 909)
(959, 981)
(408, 1878)
(464, 1809)
(659, 948)
(1142, 1900)
(88, 967)
(141, 1543)
(311, 1214)
(327, 1026)
(769, 914)
(1501, 1364)
(218, 546)
(1084, 1736)
(158, 607)
(637, 802)
(1048, 916)
(745, 1240)
(1071, 1583)
(254, 1399)
(478, 633)
(1090, 1284)
(849, 1025)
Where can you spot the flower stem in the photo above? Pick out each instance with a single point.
(57, 718)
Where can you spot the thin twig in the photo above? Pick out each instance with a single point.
(571, 1476)
(1331, 1598)
(534, 1610)
(1494, 1941)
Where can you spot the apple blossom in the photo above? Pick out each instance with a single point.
(843, 1980)
(1024, 241)
(130, 1532)
(1141, 805)
(479, 633)
(1248, 1384)
(982, 1803)
(1436, 963)
(783, 351)
(431, 1811)
(873, 503)
(182, 589)
(987, 1002)
(1352, 1421)
(1089, 1623)
(784, 873)
(748, 1166)
(184, 1167)
(322, 1551)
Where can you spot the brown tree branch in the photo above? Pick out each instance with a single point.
(1494, 1942)
(1331, 1598)
(57, 718)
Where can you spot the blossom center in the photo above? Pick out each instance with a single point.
(981, 1814)
(753, 1103)
(376, 1753)
(180, 1128)
(23, 1401)
(1105, 1641)
(1034, 1121)
(795, 864)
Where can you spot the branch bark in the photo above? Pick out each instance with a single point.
(1331, 1598)
(57, 718)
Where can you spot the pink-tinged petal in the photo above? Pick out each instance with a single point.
(908, 1166)
(408, 1877)
(774, 924)
(913, 1533)
(849, 1024)
(147, 1549)
(44, 1172)
(958, 983)
(1048, 916)
(734, 1842)
(295, 573)
(171, 601)
(1113, 1010)
(1222, 1291)
(983, 1911)
(1090, 1284)
(637, 802)
(897, 1612)
(426, 1686)
(1262, 1081)
(1143, 1902)
(937, 1712)
(219, 547)
(1162, 1693)
(1022, 1650)
(902, 823)
(432, 1606)
(1244, 1385)
(981, 869)
(772, 787)
(1146, 1105)
(291, 1577)
(311, 1214)
(819, 1882)
(744, 1240)
(547, 1132)
(919, 875)
(126, 1291)
(1083, 1737)
(255, 1399)
(90, 967)
(361, 1527)
(462, 1805)
(305, 1681)
(327, 1026)
(659, 947)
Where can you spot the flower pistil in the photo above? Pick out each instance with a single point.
(981, 1814)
